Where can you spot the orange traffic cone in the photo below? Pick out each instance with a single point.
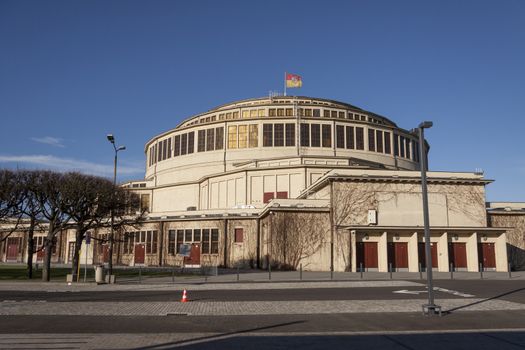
(184, 297)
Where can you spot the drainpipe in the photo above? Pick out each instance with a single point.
(225, 232)
(258, 248)
(331, 225)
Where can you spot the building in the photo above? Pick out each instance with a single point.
(300, 180)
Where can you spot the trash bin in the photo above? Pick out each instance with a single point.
(99, 274)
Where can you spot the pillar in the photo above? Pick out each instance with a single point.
(472, 253)
(413, 259)
(382, 252)
(443, 265)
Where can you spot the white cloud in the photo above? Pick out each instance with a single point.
(49, 140)
(69, 164)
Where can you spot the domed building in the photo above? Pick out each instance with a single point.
(299, 180)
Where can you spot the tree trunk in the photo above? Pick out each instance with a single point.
(30, 248)
(79, 237)
(48, 248)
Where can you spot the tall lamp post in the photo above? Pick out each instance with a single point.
(111, 139)
(431, 308)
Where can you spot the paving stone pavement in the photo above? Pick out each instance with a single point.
(244, 307)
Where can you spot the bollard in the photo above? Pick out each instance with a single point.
(173, 274)
(480, 270)
(420, 272)
(301, 272)
(390, 269)
(269, 272)
(510, 271)
(140, 274)
(237, 273)
(361, 269)
(451, 271)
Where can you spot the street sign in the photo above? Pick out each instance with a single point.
(185, 250)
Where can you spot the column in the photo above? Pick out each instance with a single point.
(382, 252)
(413, 259)
(472, 253)
(501, 253)
(353, 250)
(443, 265)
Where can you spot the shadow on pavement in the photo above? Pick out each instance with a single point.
(483, 301)
(427, 341)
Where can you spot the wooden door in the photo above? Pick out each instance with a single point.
(433, 253)
(487, 255)
(39, 245)
(105, 253)
(13, 245)
(398, 255)
(195, 255)
(366, 255)
(457, 254)
(140, 251)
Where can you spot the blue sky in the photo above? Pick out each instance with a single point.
(73, 71)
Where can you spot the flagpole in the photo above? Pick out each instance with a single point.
(284, 83)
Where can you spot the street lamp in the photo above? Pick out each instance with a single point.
(111, 139)
(430, 308)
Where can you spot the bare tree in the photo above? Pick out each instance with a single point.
(50, 198)
(295, 237)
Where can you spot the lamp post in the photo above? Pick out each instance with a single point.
(111, 139)
(430, 308)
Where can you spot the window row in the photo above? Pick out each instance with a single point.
(406, 148)
(285, 112)
(147, 238)
(279, 135)
(208, 238)
(160, 151)
(316, 135)
(210, 139)
(379, 141)
(350, 137)
(243, 136)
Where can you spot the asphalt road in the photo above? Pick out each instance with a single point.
(504, 290)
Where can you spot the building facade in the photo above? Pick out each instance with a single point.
(289, 181)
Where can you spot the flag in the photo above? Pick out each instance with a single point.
(293, 81)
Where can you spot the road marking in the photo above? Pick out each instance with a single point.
(453, 292)
(437, 289)
(406, 291)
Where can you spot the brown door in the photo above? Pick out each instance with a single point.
(195, 255)
(40, 248)
(140, 250)
(398, 255)
(457, 254)
(366, 255)
(12, 248)
(487, 255)
(105, 253)
(433, 253)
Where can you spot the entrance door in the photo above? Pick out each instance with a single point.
(433, 253)
(398, 255)
(71, 251)
(487, 255)
(195, 255)
(40, 248)
(105, 253)
(13, 244)
(457, 254)
(366, 255)
(140, 250)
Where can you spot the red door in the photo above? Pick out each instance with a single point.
(366, 255)
(487, 255)
(457, 254)
(195, 255)
(398, 255)
(433, 253)
(12, 248)
(140, 250)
